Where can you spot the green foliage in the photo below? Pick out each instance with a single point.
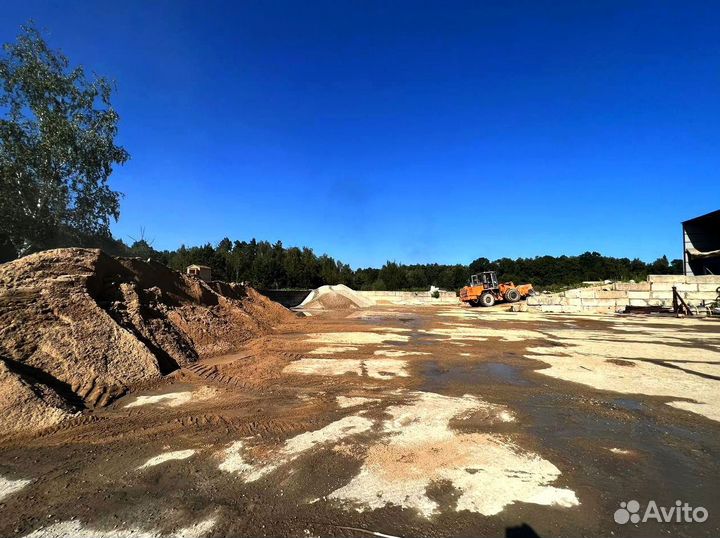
(57, 149)
(571, 271)
(272, 266)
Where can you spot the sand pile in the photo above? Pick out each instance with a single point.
(338, 297)
(78, 328)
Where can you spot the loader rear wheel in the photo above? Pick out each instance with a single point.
(487, 299)
(512, 295)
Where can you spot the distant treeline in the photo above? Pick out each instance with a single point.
(273, 266)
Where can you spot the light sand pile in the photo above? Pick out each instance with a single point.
(338, 297)
(79, 328)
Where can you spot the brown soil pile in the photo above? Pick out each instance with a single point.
(78, 328)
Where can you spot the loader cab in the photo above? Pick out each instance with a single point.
(487, 280)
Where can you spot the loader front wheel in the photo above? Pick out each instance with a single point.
(487, 299)
(512, 295)
(474, 302)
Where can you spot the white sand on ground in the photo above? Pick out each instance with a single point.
(376, 368)
(355, 338)
(76, 529)
(585, 355)
(167, 456)
(354, 401)
(8, 487)
(464, 332)
(398, 353)
(238, 457)
(488, 470)
(174, 399)
(331, 350)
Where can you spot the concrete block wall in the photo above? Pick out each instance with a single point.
(419, 298)
(614, 297)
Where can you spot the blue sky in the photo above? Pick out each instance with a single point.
(407, 131)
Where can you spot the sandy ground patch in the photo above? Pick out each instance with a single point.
(331, 350)
(487, 471)
(167, 456)
(8, 487)
(75, 529)
(680, 323)
(310, 366)
(356, 338)
(500, 315)
(468, 332)
(239, 458)
(663, 346)
(699, 367)
(374, 314)
(174, 399)
(377, 368)
(670, 332)
(398, 353)
(234, 461)
(489, 435)
(385, 368)
(617, 359)
(353, 401)
(642, 378)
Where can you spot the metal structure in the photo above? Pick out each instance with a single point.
(701, 245)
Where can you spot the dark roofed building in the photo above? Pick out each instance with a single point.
(701, 245)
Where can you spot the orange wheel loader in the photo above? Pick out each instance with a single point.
(485, 290)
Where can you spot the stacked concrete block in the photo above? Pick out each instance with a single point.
(419, 298)
(631, 286)
(695, 290)
(657, 291)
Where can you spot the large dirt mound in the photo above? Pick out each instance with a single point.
(78, 328)
(338, 297)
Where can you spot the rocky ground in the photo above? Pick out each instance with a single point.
(405, 421)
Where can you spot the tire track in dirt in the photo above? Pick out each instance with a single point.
(212, 373)
(75, 422)
(226, 373)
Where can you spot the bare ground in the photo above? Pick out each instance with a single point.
(404, 421)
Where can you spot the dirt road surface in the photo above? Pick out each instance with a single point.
(403, 421)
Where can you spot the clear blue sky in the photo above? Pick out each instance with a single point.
(412, 131)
